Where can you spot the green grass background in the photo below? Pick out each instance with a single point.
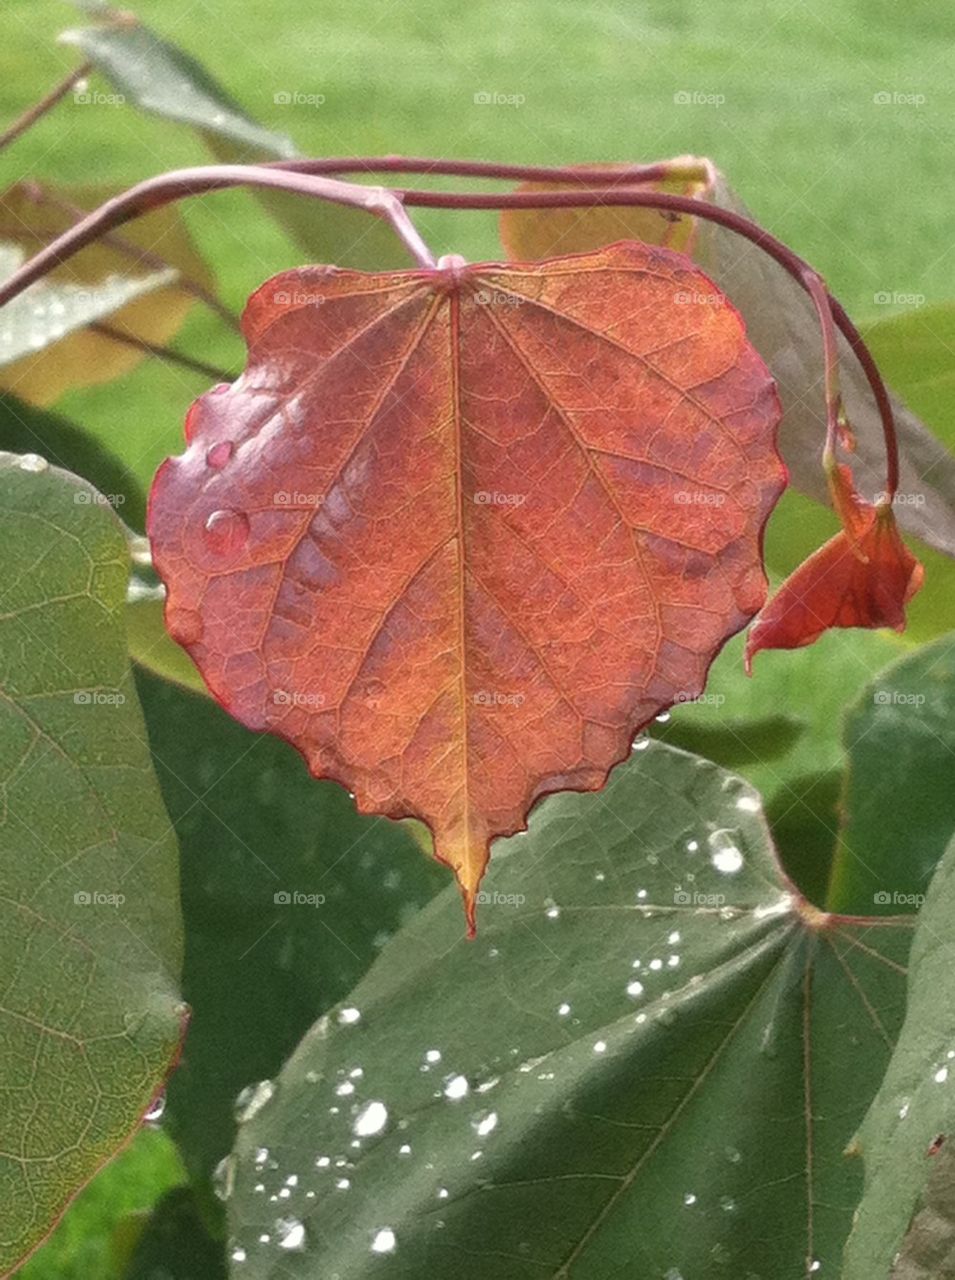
(862, 189)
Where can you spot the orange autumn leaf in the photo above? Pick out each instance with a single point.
(457, 534)
(864, 576)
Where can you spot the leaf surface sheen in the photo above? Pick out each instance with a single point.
(457, 534)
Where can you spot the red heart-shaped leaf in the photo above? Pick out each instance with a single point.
(457, 534)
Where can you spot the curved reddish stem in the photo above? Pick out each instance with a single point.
(584, 176)
(155, 192)
(305, 178)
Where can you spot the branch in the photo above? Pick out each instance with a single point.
(156, 192)
(46, 103)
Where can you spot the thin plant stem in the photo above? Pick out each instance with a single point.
(45, 104)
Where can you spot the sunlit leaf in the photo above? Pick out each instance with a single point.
(458, 534)
(864, 576)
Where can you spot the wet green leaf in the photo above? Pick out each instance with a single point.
(915, 1104)
(563, 1096)
(91, 1017)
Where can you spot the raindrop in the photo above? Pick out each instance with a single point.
(404, 1149)
(656, 965)
(223, 1178)
(291, 1234)
(732, 1155)
(635, 989)
(483, 1125)
(371, 694)
(552, 913)
(348, 1016)
(371, 1119)
(600, 1046)
(343, 1184)
(689, 1198)
(456, 1087)
(220, 454)
(384, 1241)
(227, 532)
(345, 1089)
(252, 1099)
(941, 1075)
(184, 625)
(674, 938)
(33, 462)
(727, 1204)
(156, 1108)
(433, 1055)
(641, 744)
(727, 858)
(748, 804)
(563, 1010)
(663, 717)
(238, 1254)
(322, 1162)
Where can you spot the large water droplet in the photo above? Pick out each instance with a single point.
(226, 532)
(223, 1178)
(485, 1124)
(384, 1241)
(291, 1234)
(456, 1087)
(371, 694)
(252, 1099)
(220, 454)
(156, 1108)
(371, 1119)
(184, 625)
(348, 1016)
(33, 462)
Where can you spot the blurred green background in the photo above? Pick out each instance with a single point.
(833, 122)
(783, 96)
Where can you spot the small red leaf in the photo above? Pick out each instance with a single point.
(862, 577)
(457, 534)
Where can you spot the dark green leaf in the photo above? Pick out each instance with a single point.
(638, 1069)
(899, 798)
(915, 1103)
(253, 826)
